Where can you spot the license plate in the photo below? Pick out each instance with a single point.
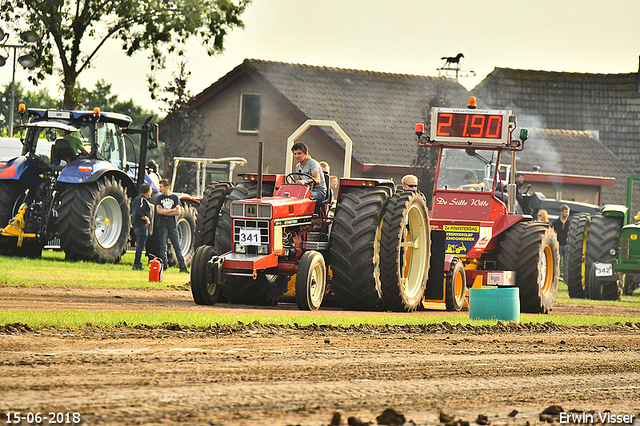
(249, 237)
(604, 269)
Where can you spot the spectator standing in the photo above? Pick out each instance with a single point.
(561, 226)
(169, 208)
(141, 219)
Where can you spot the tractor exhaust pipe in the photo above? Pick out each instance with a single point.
(260, 151)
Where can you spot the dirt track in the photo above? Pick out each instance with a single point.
(249, 375)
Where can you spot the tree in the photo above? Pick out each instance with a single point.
(73, 31)
(183, 130)
(32, 99)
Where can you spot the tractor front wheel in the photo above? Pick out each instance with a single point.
(531, 250)
(311, 281)
(94, 221)
(456, 286)
(204, 291)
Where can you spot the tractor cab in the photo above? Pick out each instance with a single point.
(483, 240)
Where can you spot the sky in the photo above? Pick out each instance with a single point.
(408, 37)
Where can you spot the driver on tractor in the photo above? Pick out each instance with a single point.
(309, 166)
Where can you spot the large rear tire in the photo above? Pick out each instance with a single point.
(602, 288)
(209, 212)
(94, 221)
(203, 290)
(603, 237)
(404, 251)
(574, 271)
(355, 249)
(531, 250)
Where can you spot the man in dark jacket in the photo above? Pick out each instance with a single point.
(140, 218)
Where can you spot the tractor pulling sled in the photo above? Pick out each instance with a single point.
(382, 247)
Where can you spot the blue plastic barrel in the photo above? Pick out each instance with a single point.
(494, 303)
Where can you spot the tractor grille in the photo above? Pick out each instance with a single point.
(241, 227)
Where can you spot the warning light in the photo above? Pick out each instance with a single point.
(96, 111)
(473, 103)
(419, 128)
(22, 108)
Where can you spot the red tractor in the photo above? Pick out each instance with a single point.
(474, 213)
(382, 245)
(267, 229)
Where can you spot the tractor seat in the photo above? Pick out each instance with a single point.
(62, 150)
(323, 208)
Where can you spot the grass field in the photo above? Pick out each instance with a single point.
(53, 271)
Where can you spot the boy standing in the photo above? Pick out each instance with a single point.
(140, 217)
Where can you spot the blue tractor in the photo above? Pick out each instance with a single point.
(82, 199)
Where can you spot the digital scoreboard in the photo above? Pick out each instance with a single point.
(470, 126)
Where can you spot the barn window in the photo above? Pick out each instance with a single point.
(249, 113)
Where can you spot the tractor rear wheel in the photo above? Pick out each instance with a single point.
(265, 290)
(186, 229)
(404, 251)
(531, 250)
(204, 291)
(209, 212)
(456, 286)
(574, 271)
(603, 238)
(311, 281)
(94, 221)
(355, 249)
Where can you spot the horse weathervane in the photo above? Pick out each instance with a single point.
(452, 63)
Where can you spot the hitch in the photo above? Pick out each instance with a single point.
(16, 226)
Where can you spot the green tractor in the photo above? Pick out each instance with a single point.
(603, 251)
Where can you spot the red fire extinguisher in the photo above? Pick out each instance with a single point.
(155, 269)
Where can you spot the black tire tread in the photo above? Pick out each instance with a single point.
(355, 265)
(578, 227)
(603, 235)
(209, 211)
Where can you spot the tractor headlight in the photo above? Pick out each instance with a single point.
(240, 248)
(263, 249)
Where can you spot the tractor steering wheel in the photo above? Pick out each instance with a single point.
(291, 178)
